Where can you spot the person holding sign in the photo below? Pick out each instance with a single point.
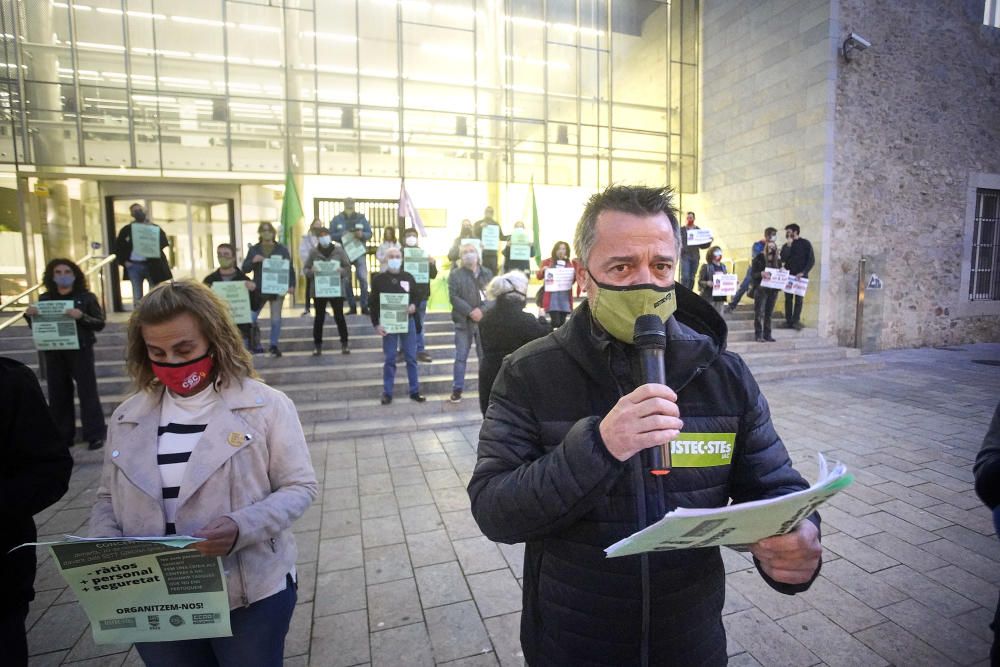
(206, 449)
(798, 257)
(423, 268)
(139, 250)
(70, 356)
(690, 255)
(34, 474)
(467, 292)
(327, 267)
(706, 277)
(561, 466)
(274, 277)
(763, 297)
(309, 241)
(392, 305)
(488, 231)
(242, 303)
(558, 298)
(354, 231)
(517, 253)
(464, 236)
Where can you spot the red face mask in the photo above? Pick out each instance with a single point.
(185, 378)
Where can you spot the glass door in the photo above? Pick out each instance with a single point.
(194, 227)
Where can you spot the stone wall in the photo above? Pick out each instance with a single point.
(915, 114)
(767, 120)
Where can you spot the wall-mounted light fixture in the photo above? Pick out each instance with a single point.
(854, 42)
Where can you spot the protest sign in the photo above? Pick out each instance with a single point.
(275, 279)
(352, 246)
(559, 279)
(520, 245)
(393, 315)
(774, 278)
(236, 296)
(797, 286)
(52, 328)
(491, 237)
(724, 284)
(698, 236)
(145, 589)
(326, 279)
(416, 263)
(145, 240)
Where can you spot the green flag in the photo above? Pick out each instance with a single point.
(536, 246)
(291, 209)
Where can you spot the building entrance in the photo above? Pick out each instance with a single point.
(194, 227)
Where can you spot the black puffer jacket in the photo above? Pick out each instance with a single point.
(544, 477)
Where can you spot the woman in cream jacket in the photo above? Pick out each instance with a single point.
(206, 449)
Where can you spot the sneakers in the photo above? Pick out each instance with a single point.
(424, 356)
(456, 396)
(386, 399)
(95, 444)
(345, 348)
(274, 351)
(418, 397)
(318, 350)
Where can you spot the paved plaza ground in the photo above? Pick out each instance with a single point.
(394, 571)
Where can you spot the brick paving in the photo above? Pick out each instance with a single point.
(393, 570)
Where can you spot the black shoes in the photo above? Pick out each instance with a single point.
(798, 326)
(768, 339)
(386, 399)
(456, 396)
(418, 397)
(345, 348)
(274, 351)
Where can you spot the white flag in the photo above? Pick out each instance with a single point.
(408, 210)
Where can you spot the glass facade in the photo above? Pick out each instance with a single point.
(561, 92)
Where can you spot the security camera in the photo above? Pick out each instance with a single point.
(854, 42)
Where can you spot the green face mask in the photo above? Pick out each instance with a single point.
(617, 308)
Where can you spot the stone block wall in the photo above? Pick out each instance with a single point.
(767, 121)
(916, 115)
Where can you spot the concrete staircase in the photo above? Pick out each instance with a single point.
(338, 395)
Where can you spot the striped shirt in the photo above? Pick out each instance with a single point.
(182, 421)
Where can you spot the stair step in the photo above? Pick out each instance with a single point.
(768, 373)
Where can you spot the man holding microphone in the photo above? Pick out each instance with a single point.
(558, 469)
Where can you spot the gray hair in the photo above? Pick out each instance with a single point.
(634, 199)
(513, 283)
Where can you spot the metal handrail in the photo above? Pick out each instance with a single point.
(94, 269)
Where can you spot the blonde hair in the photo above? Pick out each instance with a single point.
(166, 301)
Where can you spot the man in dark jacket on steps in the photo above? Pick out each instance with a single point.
(558, 469)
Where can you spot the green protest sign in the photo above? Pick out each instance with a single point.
(274, 274)
(352, 246)
(393, 315)
(145, 591)
(416, 263)
(326, 279)
(52, 328)
(145, 240)
(236, 296)
(491, 237)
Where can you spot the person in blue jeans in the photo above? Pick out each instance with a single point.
(138, 268)
(467, 291)
(266, 248)
(350, 221)
(690, 255)
(396, 281)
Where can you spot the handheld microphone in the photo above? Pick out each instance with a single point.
(651, 340)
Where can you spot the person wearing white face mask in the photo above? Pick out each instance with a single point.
(422, 290)
(467, 291)
(326, 250)
(388, 241)
(396, 281)
(561, 467)
(713, 264)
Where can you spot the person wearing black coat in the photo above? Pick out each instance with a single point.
(763, 297)
(64, 280)
(504, 328)
(560, 469)
(35, 468)
(135, 268)
(987, 472)
(798, 257)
